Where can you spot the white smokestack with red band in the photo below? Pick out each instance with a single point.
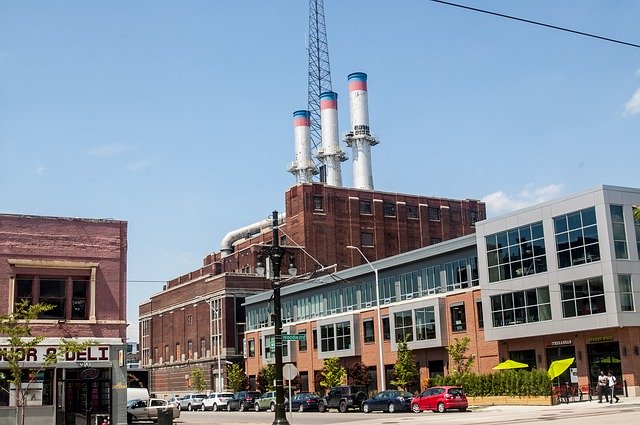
(303, 167)
(330, 153)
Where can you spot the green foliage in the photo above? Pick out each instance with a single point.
(636, 212)
(457, 351)
(236, 378)
(503, 383)
(266, 377)
(318, 379)
(358, 374)
(405, 370)
(16, 327)
(198, 382)
(333, 373)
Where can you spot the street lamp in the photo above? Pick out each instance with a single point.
(274, 254)
(375, 273)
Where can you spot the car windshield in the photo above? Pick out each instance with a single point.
(199, 396)
(456, 391)
(225, 395)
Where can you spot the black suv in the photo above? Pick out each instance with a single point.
(242, 400)
(343, 398)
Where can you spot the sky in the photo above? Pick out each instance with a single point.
(177, 116)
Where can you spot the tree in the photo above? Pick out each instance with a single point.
(333, 373)
(358, 374)
(636, 212)
(266, 377)
(16, 327)
(198, 383)
(457, 351)
(405, 370)
(236, 378)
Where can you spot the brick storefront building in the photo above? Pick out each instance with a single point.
(79, 267)
(183, 326)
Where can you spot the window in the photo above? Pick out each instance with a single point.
(367, 294)
(434, 213)
(333, 302)
(287, 312)
(349, 300)
(365, 208)
(368, 331)
(388, 290)
(178, 352)
(430, 278)
(389, 209)
(318, 203)
(314, 336)
(366, 238)
(582, 297)
(189, 319)
(516, 252)
(408, 285)
(475, 277)
(270, 347)
(473, 217)
(251, 347)
(619, 234)
(479, 313)
(425, 323)
(55, 291)
(167, 357)
(458, 319)
(335, 337)
(203, 347)
(626, 292)
(457, 277)
(412, 211)
(386, 328)
(532, 305)
(189, 349)
(577, 238)
(403, 326)
(434, 241)
(302, 344)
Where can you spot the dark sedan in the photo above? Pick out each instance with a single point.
(242, 400)
(388, 401)
(304, 402)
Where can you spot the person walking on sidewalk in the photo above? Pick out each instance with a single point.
(603, 387)
(612, 385)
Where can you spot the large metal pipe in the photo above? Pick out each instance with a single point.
(330, 153)
(359, 137)
(226, 246)
(302, 167)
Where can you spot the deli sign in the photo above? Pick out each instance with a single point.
(39, 354)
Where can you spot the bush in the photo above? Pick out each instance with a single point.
(504, 383)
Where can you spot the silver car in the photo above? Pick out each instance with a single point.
(147, 410)
(216, 401)
(192, 401)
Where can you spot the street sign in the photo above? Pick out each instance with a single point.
(294, 337)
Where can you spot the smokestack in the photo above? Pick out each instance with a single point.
(359, 138)
(303, 167)
(330, 153)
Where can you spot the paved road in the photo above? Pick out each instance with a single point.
(627, 412)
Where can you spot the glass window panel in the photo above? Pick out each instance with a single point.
(562, 241)
(621, 250)
(492, 258)
(618, 231)
(531, 297)
(560, 224)
(597, 304)
(574, 221)
(518, 299)
(512, 236)
(581, 289)
(583, 306)
(496, 302)
(509, 317)
(536, 231)
(596, 286)
(568, 308)
(514, 252)
(491, 242)
(589, 217)
(494, 274)
(540, 264)
(543, 295)
(592, 252)
(564, 259)
(505, 272)
(575, 238)
(567, 291)
(502, 239)
(577, 256)
(532, 314)
(544, 312)
(507, 301)
(525, 234)
(497, 319)
(520, 315)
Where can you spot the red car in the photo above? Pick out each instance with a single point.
(440, 399)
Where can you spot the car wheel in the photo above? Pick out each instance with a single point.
(463, 409)
(272, 407)
(202, 407)
(415, 408)
(215, 407)
(241, 408)
(392, 408)
(189, 407)
(322, 408)
(129, 418)
(342, 407)
(365, 408)
(441, 408)
(228, 408)
(256, 407)
(301, 408)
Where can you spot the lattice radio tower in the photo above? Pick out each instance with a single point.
(319, 72)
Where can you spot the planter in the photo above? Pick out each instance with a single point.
(511, 401)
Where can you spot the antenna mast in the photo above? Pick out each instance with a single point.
(319, 71)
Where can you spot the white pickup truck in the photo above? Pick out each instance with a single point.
(147, 410)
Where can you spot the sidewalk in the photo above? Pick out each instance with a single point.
(574, 405)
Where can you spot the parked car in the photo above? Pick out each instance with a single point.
(192, 401)
(147, 410)
(343, 398)
(242, 400)
(216, 401)
(266, 401)
(304, 402)
(388, 401)
(175, 401)
(440, 399)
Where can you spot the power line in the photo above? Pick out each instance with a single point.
(542, 24)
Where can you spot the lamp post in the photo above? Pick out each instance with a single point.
(274, 254)
(383, 384)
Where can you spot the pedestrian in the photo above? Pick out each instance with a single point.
(603, 387)
(612, 385)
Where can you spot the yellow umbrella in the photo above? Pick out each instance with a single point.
(510, 364)
(557, 367)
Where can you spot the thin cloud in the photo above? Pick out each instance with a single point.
(40, 169)
(140, 165)
(501, 202)
(106, 151)
(633, 105)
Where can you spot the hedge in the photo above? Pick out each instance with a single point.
(503, 383)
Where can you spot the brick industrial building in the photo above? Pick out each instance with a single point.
(79, 267)
(198, 319)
